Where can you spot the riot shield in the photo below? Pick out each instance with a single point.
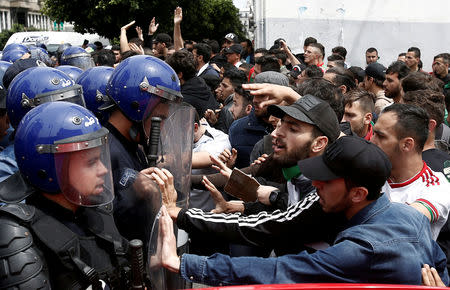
(143, 193)
(175, 150)
(175, 155)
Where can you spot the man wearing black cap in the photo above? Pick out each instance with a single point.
(233, 54)
(229, 40)
(161, 44)
(382, 242)
(303, 133)
(375, 74)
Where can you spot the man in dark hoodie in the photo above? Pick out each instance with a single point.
(193, 88)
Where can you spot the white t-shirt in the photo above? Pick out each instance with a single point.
(427, 187)
(214, 142)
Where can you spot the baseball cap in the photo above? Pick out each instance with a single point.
(311, 110)
(231, 37)
(235, 48)
(297, 70)
(350, 157)
(272, 77)
(162, 38)
(376, 70)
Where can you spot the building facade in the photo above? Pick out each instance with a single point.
(24, 12)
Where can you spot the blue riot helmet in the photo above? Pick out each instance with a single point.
(94, 81)
(15, 46)
(77, 56)
(139, 83)
(144, 86)
(61, 147)
(61, 49)
(38, 85)
(4, 65)
(70, 70)
(13, 55)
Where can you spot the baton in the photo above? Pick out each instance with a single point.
(155, 132)
(137, 265)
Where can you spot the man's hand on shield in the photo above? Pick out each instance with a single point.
(164, 179)
(169, 258)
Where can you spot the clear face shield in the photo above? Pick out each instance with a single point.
(84, 170)
(72, 94)
(81, 60)
(174, 147)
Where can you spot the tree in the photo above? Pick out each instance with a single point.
(211, 19)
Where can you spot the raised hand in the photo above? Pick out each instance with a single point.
(177, 15)
(153, 26)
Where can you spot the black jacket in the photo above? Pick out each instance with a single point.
(196, 93)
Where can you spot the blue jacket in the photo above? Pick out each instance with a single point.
(383, 243)
(244, 133)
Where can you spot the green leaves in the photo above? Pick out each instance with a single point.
(201, 18)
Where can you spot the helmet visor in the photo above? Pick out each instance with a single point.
(72, 94)
(84, 176)
(84, 61)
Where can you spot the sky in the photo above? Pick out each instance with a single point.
(240, 3)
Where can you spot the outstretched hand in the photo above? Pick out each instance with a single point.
(136, 48)
(153, 26)
(139, 33)
(126, 27)
(229, 158)
(177, 15)
(219, 165)
(222, 206)
(430, 277)
(276, 93)
(169, 257)
(164, 179)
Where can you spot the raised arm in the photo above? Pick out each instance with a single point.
(178, 42)
(123, 37)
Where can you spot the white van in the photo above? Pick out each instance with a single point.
(52, 39)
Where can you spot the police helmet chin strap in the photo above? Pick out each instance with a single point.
(134, 132)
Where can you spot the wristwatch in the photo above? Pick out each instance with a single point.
(273, 196)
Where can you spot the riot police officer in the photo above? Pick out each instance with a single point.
(77, 56)
(64, 237)
(140, 89)
(30, 88)
(94, 81)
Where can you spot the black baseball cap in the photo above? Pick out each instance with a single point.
(350, 157)
(376, 70)
(235, 48)
(163, 38)
(232, 37)
(311, 110)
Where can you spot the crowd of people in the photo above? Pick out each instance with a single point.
(297, 168)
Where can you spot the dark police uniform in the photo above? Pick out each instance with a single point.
(65, 250)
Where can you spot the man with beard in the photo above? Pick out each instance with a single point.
(358, 106)
(392, 85)
(305, 130)
(382, 242)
